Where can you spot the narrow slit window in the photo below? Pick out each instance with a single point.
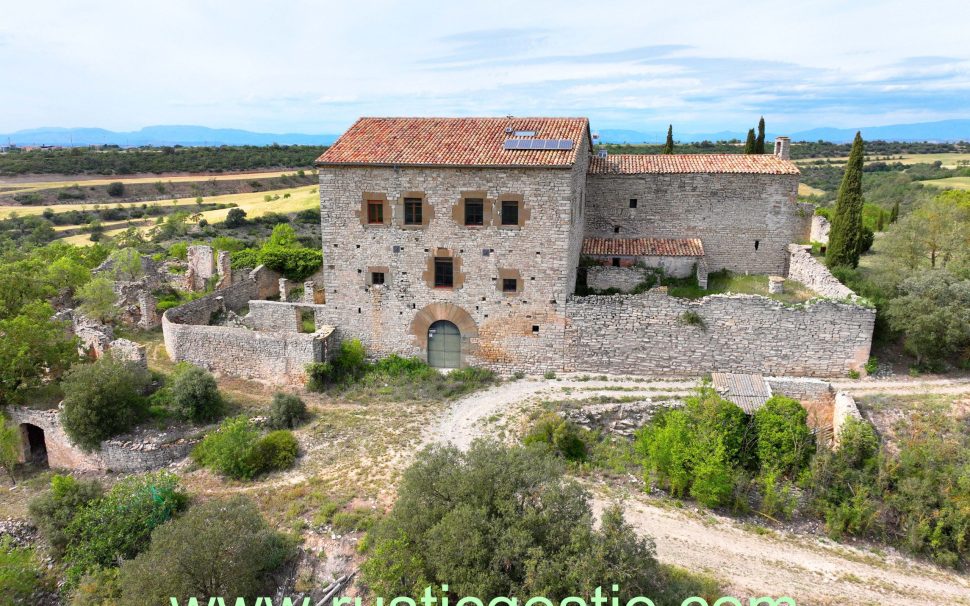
(375, 212)
(510, 212)
(412, 211)
(509, 284)
(444, 272)
(756, 244)
(474, 211)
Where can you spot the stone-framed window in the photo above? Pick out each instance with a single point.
(509, 281)
(475, 212)
(413, 210)
(511, 210)
(377, 275)
(375, 209)
(443, 271)
(474, 209)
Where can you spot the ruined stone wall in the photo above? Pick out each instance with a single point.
(728, 212)
(800, 388)
(281, 316)
(820, 229)
(845, 408)
(521, 330)
(804, 268)
(646, 334)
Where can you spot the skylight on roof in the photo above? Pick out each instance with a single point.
(525, 133)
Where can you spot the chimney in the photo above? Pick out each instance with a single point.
(783, 148)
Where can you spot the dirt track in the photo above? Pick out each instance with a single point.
(750, 563)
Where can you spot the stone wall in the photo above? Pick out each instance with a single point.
(845, 408)
(624, 279)
(646, 334)
(800, 388)
(728, 212)
(804, 268)
(820, 229)
(281, 316)
(520, 330)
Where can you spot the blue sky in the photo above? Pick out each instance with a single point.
(300, 66)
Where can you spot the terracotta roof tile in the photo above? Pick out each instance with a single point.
(643, 247)
(632, 164)
(455, 142)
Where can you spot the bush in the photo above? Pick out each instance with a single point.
(195, 394)
(452, 531)
(20, 574)
(297, 264)
(99, 587)
(275, 451)
(53, 511)
(783, 437)
(561, 436)
(116, 189)
(287, 411)
(179, 250)
(236, 450)
(225, 543)
(247, 257)
(119, 525)
(102, 399)
(236, 217)
(933, 314)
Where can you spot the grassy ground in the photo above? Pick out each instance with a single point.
(808, 190)
(726, 282)
(13, 186)
(954, 182)
(948, 160)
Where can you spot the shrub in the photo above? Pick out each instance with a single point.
(297, 264)
(53, 511)
(98, 298)
(561, 436)
(287, 411)
(120, 524)
(933, 313)
(225, 543)
(275, 451)
(355, 520)
(692, 318)
(116, 189)
(99, 587)
(102, 399)
(179, 250)
(20, 574)
(195, 394)
(783, 437)
(236, 217)
(227, 449)
(451, 531)
(126, 264)
(247, 257)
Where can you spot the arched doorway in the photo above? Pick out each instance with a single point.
(34, 444)
(444, 345)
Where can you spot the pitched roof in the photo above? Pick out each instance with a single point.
(455, 142)
(750, 392)
(644, 247)
(632, 164)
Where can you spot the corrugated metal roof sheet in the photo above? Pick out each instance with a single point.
(750, 392)
(644, 247)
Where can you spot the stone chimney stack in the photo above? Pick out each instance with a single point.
(783, 148)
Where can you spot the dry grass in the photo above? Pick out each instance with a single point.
(951, 182)
(10, 187)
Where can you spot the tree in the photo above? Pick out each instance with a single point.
(98, 299)
(287, 411)
(33, 348)
(933, 313)
(66, 274)
(759, 144)
(116, 189)
(783, 437)
(9, 447)
(751, 143)
(219, 547)
(937, 232)
(498, 521)
(894, 213)
(195, 394)
(102, 399)
(845, 236)
(126, 264)
(669, 145)
(236, 217)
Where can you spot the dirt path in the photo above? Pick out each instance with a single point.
(751, 562)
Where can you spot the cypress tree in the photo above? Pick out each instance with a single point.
(751, 143)
(845, 236)
(759, 145)
(894, 213)
(669, 145)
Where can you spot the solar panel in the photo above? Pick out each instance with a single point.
(543, 144)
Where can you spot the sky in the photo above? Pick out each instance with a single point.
(314, 67)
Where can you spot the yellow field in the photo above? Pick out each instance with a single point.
(255, 205)
(948, 160)
(954, 182)
(808, 190)
(25, 187)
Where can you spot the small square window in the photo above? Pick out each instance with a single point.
(535, 329)
(616, 261)
(412, 211)
(616, 229)
(510, 212)
(633, 202)
(375, 212)
(377, 278)
(474, 211)
(509, 284)
(444, 272)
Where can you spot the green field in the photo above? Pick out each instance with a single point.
(954, 182)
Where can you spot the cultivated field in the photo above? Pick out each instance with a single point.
(948, 160)
(951, 182)
(10, 186)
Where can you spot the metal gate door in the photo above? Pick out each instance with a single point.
(444, 345)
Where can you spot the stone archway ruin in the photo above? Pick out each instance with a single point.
(33, 444)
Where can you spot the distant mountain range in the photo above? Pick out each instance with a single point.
(945, 130)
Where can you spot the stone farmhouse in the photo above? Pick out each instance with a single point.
(461, 240)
